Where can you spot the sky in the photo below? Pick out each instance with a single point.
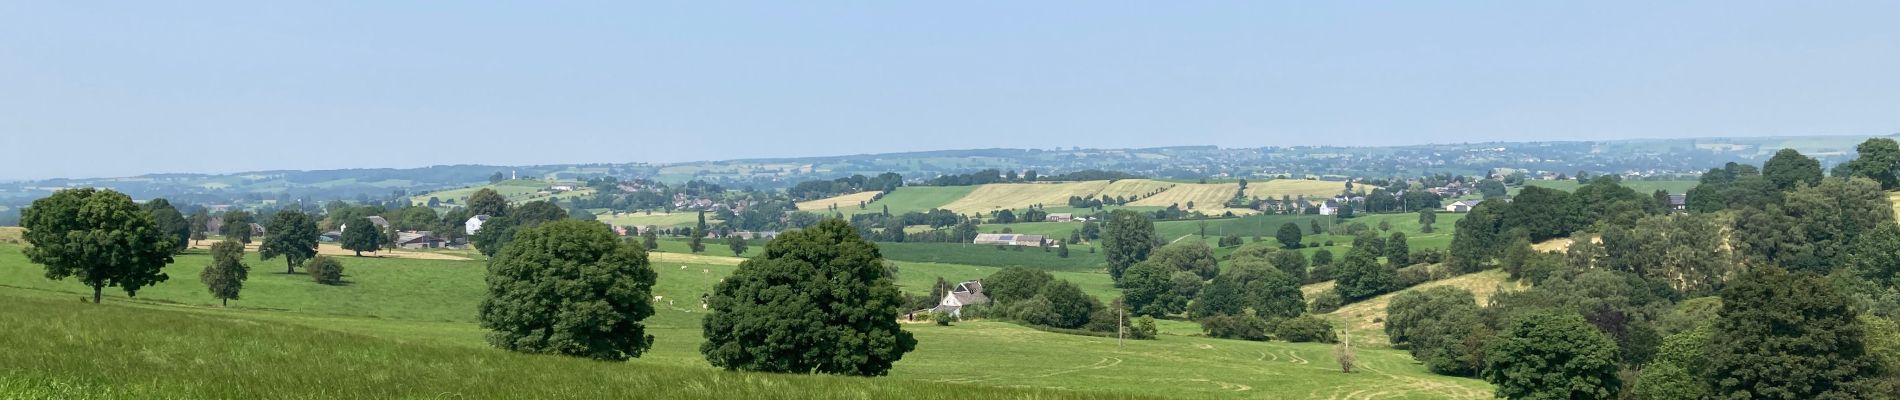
(118, 88)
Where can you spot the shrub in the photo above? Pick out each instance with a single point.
(1306, 329)
(1412, 276)
(325, 270)
(1144, 328)
(1319, 273)
(1327, 301)
(1244, 327)
(941, 318)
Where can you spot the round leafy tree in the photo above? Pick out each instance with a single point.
(98, 236)
(1553, 356)
(569, 287)
(293, 235)
(227, 272)
(1790, 336)
(818, 300)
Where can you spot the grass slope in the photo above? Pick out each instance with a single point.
(84, 351)
(1366, 318)
(405, 329)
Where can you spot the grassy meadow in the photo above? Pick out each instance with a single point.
(404, 328)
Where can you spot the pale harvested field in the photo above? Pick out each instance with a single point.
(1300, 187)
(849, 200)
(1366, 318)
(1134, 187)
(1000, 196)
(657, 258)
(332, 249)
(1208, 198)
(11, 234)
(1895, 198)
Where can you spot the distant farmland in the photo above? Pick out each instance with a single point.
(1644, 187)
(1208, 198)
(516, 191)
(1301, 187)
(851, 200)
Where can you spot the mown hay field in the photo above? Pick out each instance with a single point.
(842, 201)
(1295, 188)
(1208, 198)
(1004, 196)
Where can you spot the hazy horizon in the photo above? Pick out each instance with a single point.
(92, 91)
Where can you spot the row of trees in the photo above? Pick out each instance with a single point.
(819, 300)
(104, 239)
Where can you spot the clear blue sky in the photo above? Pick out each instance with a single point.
(122, 88)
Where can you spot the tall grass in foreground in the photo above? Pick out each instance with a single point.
(69, 350)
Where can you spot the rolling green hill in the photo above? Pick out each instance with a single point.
(405, 329)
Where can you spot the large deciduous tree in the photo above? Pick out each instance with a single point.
(1361, 276)
(359, 235)
(1149, 290)
(170, 221)
(1015, 284)
(227, 272)
(98, 236)
(292, 235)
(1789, 336)
(570, 288)
(1191, 256)
(1288, 235)
(1251, 285)
(1474, 238)
(1127, 239)
(1879, 160)
(817, 300)
(1552, 356)
(1788, 168)
(237, 225)
(487, 202)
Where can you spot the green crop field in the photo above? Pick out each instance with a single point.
(911, 198)
(659, 219)
(405, 329)
(1080, 257)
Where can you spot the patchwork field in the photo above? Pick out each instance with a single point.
(912, 198)
(405, 329)
(1134, 187)
(660, 219)
(1209, 198)
(844, 201)
(1300, 187)
(1002, 196)
(517, 191)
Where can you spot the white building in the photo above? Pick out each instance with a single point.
(474, 224)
